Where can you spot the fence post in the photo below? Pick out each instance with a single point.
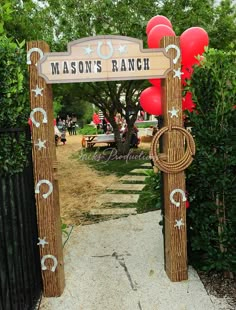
(46, 184)
(173, 146)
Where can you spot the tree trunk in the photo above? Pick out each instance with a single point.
(123, 147)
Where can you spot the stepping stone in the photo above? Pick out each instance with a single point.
(118, 198)
(127, 187)
(133, 178)
(113, 211)
(140, 171)
(147, 165)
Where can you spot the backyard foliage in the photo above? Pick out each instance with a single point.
(14, 104)
(211, 179)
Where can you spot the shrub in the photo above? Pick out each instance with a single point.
(14, 104)
(211, 179)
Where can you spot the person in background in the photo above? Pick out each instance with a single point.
(69, 126)
(57, 134)
(74, 122)
(63, 132)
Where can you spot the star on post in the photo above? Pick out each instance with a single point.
(42, 242)
(173, 112)
(179, 223)
(41, 144)
(38, 91)
(177, 73)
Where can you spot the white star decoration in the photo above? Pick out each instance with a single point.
(41, 144)
(173, 112)
(42, 242)
(177, 73)
(38, 91)
(122, 49)
(88, 50)
(179, 223)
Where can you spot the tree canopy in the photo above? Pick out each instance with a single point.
(61, 21)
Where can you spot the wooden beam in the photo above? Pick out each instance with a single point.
(173, 146)
(45, 167)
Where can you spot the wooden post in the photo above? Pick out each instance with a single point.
(46, 184)
(173, 147)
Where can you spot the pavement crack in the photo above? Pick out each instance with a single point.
(102, 256)
(121, 261)
(139, 305)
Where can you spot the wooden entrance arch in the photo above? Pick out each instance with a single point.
(104, 58)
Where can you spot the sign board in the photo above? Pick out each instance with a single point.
(104, 58)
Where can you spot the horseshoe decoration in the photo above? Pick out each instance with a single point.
(37, 190)
(45, 120)
(109, 55)
(177, 190)
(54, 260)
(177, 51)
(34, 49)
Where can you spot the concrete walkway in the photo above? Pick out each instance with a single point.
(118, 265)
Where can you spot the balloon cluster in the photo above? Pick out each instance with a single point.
(192, 44)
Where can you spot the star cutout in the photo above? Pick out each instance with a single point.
(173, 112)
(38, 91)
(177, 73)
(88, 50)
(42, 242)
(41, 144)
(179, 223)
(122, 49)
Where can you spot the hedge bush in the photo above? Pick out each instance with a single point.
(14, 103)
(211, 179)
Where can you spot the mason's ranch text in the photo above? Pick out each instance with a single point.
(95, 66)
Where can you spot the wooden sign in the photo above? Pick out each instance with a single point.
(104, 58)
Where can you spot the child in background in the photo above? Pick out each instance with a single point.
(63, 133)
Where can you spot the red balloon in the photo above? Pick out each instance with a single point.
(192, 43)
(187, 102)
(156, 82)
(150, 100)
(157, 20)
(157, 33)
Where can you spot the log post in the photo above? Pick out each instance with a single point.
(173, 146)
(46, 184)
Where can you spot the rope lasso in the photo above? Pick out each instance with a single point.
(161, 160)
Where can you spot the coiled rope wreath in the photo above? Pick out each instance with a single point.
(160, 159)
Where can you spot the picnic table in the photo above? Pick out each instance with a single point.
(89, 141)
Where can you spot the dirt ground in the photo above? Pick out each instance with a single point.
(79, 184)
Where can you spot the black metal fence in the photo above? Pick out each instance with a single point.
(20, 271)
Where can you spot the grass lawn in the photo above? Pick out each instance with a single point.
(107, 162)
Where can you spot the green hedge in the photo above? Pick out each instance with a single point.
(14, 103)
(211, 179)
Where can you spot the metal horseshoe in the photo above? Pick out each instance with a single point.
(37, 191)
(45, 120)
(99, 50)
(54, 260)
(34, 49)
(177, 190)
(177, 51)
